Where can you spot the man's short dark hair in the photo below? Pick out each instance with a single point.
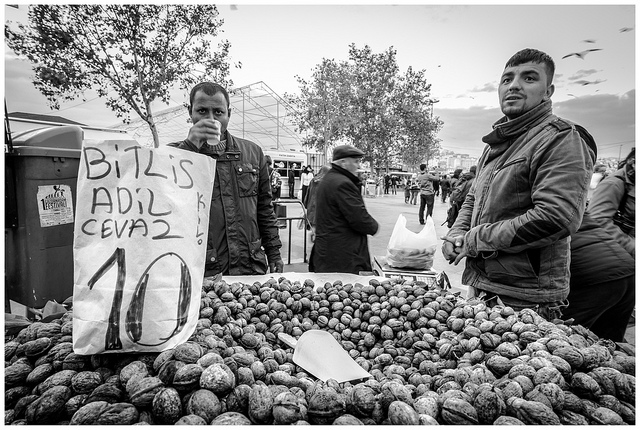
(210, 89)
(473, 169)
(530, 55)
(423, 166)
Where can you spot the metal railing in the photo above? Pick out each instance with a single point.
(302, 218)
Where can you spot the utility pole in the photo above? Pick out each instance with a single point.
(619, 154)
(432, 102)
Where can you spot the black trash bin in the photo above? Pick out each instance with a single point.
(41, 172)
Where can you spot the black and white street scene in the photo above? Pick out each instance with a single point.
(319, 214)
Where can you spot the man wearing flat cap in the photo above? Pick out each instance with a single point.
(342, 221)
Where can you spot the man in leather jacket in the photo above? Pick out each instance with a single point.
(528, 196)
(243, 234)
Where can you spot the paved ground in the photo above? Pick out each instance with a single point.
(385, 209)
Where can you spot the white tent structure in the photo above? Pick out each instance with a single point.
(258, 114)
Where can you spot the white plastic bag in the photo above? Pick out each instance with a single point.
(411, 250)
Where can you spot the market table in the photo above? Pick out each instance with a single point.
(434, 357)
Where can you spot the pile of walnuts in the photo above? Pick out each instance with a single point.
(434, 358)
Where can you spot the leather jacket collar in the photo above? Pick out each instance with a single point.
(505, 129)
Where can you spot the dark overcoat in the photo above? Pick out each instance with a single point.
(342, 225)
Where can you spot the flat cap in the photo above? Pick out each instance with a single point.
(346, 151)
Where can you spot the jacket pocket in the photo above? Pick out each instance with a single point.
(247, 176)
(512, 162)
(505, 267)
(512, 179)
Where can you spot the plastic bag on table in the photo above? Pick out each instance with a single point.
(411, 250)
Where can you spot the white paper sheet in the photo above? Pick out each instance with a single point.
(139, 246)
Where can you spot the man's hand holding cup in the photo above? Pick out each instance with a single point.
(205, 131)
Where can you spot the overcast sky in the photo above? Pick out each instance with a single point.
(462, 48)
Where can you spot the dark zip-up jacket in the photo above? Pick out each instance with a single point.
(462, 188)
(242, 223)
(616, 190)
(528, 197)
(596, 257)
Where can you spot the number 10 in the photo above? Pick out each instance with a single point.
(133, 319)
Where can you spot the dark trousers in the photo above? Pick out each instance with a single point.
(291, 189)
(276, 193)
(603, 308)
(305, 188)
(414, 197)
(426, 201)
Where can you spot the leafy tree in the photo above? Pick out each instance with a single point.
(415, 114)
(371, 106)
(131, 54)
(369, 103)
(321, 104)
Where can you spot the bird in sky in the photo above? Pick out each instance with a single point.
(584, 82)
(581, 54)
(589, 41)
(625, 29)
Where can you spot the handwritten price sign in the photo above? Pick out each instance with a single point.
(140, 239)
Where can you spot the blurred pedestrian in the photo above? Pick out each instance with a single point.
(436, 184)
(445, 185)
(275, 180)
(291, 181)
(407, 190)
(528, 196)
(459, 193)
(311, 204)
(415, 189)
(602, 289)
(394, 184)
(341, 219)
(613, 203)
(455, 178)
(427, 194)
(305, 181)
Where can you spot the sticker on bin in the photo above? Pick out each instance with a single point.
(55, 205)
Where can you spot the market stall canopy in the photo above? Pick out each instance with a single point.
(258, 114)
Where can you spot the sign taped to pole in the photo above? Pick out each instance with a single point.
(140, 240)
